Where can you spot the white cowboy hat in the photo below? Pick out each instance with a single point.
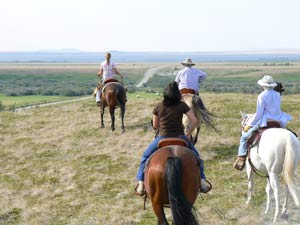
(267, 81)
(188, 61)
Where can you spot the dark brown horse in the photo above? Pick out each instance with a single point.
(113, 96)
(172, 179)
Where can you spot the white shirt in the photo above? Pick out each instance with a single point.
(269, 108)
(189, 78)
(108, 70)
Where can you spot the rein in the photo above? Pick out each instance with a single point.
(255, 170)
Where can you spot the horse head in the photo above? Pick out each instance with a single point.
(279, 88)
(245, 118)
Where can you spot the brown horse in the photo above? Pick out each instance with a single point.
(113, 96)
(172, 178)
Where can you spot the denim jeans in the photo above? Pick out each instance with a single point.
(153, 147)
(243, 141)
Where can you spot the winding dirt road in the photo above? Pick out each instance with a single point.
(148, 74)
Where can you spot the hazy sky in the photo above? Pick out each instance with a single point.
(149, 25)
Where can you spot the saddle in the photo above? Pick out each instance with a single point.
(108, 82)
(187, 91)
(256, 135)
(172, 141)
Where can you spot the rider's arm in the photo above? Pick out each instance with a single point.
(202, 76)
(100, 73)
(155, 122)
(117, 72)
(193, 120)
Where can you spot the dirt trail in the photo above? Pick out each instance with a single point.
(50, 103)
(148, 74)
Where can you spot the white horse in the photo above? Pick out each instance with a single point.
(278, 152)
(201, 113)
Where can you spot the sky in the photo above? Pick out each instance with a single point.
(149, 25)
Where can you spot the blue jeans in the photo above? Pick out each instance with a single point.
(243, 141)
(153, 147)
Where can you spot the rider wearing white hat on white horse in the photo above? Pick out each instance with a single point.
(268, 108)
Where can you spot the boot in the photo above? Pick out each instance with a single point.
(140, 189)
(205, 186)
(239, 164)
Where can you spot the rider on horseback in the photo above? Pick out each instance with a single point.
(107, 70)
(268, 109)
(188, 78)
(167, 118)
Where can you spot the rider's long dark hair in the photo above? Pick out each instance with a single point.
(172, 95)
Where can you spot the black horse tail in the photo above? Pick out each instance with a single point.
(121, 98)
(182, 210)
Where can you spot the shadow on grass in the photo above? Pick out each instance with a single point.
(11, 217)
(224, 152)
(146, 126)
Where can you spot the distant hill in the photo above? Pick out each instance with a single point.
(72, 55)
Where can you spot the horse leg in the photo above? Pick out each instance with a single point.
(160, 214)
(284, 214)
(275, 186)
(268, 191)
(102, 113)
(112, 116)
(250, 182)
(122, 117)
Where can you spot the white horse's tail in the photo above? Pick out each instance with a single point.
(290, 163)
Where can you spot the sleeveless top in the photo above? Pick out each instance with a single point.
(108, 70)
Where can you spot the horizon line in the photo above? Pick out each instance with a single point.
(68, 50)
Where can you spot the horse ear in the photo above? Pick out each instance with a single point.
(244, 115)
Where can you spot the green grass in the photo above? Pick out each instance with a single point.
(19, 101)
(59, 167)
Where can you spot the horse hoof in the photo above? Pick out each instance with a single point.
(123, 131)
(102, 126)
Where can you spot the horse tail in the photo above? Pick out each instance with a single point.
(292, 154)
(201, 110)
(180, 207)
(120, 92)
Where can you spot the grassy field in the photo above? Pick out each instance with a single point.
(12, 102)
(74, 79)
(58, 167)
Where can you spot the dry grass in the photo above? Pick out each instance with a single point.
(58, 167)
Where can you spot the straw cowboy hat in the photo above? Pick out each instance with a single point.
(267, 81)
(188, 61)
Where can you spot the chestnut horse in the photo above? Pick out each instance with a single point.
(172, 179)
(113, 96)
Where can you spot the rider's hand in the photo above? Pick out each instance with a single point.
(246, 128)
